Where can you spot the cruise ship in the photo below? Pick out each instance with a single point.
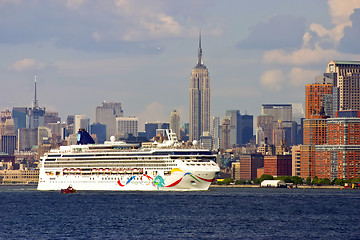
(120, 166)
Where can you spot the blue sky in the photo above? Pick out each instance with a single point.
(141, 52)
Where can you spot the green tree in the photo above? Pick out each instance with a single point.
(240, 182)
(297, 180)
(308, 180)
(325, 181)
(315, 181)
(339, 182)
(227, 181)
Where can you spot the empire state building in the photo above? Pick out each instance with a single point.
(199, 99)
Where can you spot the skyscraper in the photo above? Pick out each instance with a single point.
(215, 132)
(126, 126)
(35, 114)
(346, 75)
(107, 114)
(314, 96)
(175, 123)
(199, 99)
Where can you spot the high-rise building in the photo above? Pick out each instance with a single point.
(314, 134)
(241, 127)
(296, 160)
(199, 99)
(107, 114)
(346, 75)
(266, 122)
(235, 131)
(281, 112)
(81, 122)
(246, 125)
(151, 127)
(44, 134)
(175, 123)
(225, 134)
(316, 96)
(340, 156)
(51, 117)
(8, 143)
(100, 131)
(246, 167)
(215, 132)
(35, 114)
(126, 126)
(27, 138)
(19, 116)
(278, 165)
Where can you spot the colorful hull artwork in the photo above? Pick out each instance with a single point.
(158, 182)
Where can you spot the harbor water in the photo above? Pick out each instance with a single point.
(220, 213)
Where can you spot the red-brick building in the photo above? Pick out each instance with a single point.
(340, 157)
(278, 165)
(246, 167)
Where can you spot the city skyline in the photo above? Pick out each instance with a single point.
(140, 53)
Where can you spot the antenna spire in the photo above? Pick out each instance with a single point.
(35, 102)
(200, 59)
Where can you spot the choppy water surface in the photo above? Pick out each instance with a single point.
(220, 213)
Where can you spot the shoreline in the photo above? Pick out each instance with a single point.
(18, 184)
(258, 186)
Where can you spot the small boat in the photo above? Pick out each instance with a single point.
(69, 189)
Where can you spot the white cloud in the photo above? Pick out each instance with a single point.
(341, 10)
(301, 57)
(273, 80)
(300, 77)
(27, 64)
(74, 4)
(98, 67)
(153, 112)
(96, 36)
(313, 50)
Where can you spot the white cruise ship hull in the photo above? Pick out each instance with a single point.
(178, 181)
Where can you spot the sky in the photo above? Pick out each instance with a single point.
(141, 52)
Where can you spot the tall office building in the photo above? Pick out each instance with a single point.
(266, 123)
(35, 114)
(107, 114)
(199, 99)
(235, 131)
(246, 125)
(316, 96)
(225, 134)
(100, 131)
(215, 132)
(126, 126)
(152, 127)
(81, 122)
(340, 156)
(346, 75)
(8, 143)
(281, 112)
(175, 123)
